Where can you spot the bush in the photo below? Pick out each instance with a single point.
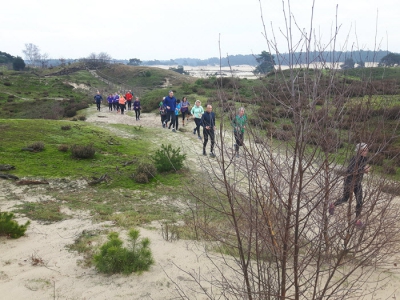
(37, 146)
(113, 258)
(63, 148)
(141, 178)
(7, 83)
(82, 118)
(10, 227)
(148, 169)
(168, 159)
(79, 151)
(66, 127)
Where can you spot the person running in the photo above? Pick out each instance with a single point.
(98, 99)
(115, 102)
(121, 103)
(184, 109)
(208, 123)
(177, 110)
(352, 183)
(129, 97)
(170, 105)
(110, 100)
(197, 111)
(137, 108)
(239, 124)
(163, 112)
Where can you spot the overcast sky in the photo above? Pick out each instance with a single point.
(164, 29)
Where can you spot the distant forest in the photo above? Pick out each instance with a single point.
(283, 59)
(249, 59)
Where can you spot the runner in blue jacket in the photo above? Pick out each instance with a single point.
(170, 105)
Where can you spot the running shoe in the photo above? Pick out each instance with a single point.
(194, 131)
(359, 224)
(212, 154)
(204, 153)
(173, 130)
(199, 137)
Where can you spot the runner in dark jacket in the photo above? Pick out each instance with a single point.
(137, 108)
(98, 99)
(352, 183)
(208, 123)
(110, 100)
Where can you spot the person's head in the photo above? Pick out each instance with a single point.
(178, 101)
(163, 98)
(362, 149)
(171, 94)
(184, 99)
(98, 93)
(209, 108)
(197, 103)
(241, 111)
(137, 98)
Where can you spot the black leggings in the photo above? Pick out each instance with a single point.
(350, 187)
(110, 106)
(137, 113)
(98, 106)
(129, 105)
(183, 115)
(206, 134)
(175, 125)
(122, 107)
(197, 128)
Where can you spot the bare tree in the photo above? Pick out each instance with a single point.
(43, 59)
(266, 212)
(32, 53)
(104, 57)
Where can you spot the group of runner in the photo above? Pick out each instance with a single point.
(171, 108)
(119, 101)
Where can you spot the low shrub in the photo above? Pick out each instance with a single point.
(84, 152)
(63, 148)
(37, 146)
(10, 227)
(148, 169)
(82, 118)
(141, 178)
(66, 127)
(113, 258)
(168, 159)
(7, 83)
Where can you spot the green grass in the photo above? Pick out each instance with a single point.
(52, 163)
